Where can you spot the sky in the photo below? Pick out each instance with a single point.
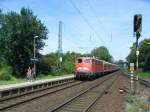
(88, 23)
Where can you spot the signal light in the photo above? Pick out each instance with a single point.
(138, 24)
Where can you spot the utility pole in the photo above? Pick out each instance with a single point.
(137, 33)
(60, 45)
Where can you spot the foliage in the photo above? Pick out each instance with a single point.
(17, 33)
(5, 73)
(49, 63)
(147, 63)
(144, 49)
(16, 38)
(69, 61)
(102, 53)
(144, 74)
(132, 55)
(136, 102)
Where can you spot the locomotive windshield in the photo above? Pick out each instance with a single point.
(79, 60)
(87, 61)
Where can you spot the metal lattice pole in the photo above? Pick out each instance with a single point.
(60, 45)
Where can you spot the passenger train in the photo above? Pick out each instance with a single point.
(92, 67)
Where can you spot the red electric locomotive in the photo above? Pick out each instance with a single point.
(91, 67)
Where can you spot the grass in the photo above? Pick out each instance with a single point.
(141, 74)
(135, 103)
(21, 80)
(144, 74)
(12, 81)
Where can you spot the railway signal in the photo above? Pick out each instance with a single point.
(137, 32)
(137, 25)
(132, 77)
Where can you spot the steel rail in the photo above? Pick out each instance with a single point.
(65, 83)
(36, 97)
(78, 95)
(142, 81)
(100, 95)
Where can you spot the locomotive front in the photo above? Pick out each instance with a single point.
(83, 67)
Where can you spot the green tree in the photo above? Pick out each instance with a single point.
(102, 53)
(131, 58)
(16, 38)
(147, 63)
(144, 49)
(69, 61)
(48, 63)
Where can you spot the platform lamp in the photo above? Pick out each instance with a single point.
(34, 56)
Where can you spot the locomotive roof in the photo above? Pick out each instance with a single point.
(84, 57)
(90, 58)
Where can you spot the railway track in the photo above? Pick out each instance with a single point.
(85, 99)
(8, 103)
(142, 81)
(145, 82)
(55, 96)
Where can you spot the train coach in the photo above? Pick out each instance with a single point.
(92, 67)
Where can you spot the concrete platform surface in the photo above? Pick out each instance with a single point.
(19, 85)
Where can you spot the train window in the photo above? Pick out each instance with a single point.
(98, 62)
(79, 60)
(87, 61)
(93, 60)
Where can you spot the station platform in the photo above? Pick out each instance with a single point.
(36, 82)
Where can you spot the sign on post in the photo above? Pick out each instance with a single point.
(34, 59)
(137, 53)
(60, 59)
(131, 66)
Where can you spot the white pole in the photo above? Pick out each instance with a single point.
(34, 57)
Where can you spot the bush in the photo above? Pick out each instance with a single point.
(7, 77)
(147, 63)
(44, 66)
(68, 66)
(5, 73)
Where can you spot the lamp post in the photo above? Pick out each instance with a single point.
(34, 57)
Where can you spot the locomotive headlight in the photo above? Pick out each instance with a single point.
(85, 68)
(79, 68)
(82, 69)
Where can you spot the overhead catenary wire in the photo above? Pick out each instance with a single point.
(84, 18)
(99, 20)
